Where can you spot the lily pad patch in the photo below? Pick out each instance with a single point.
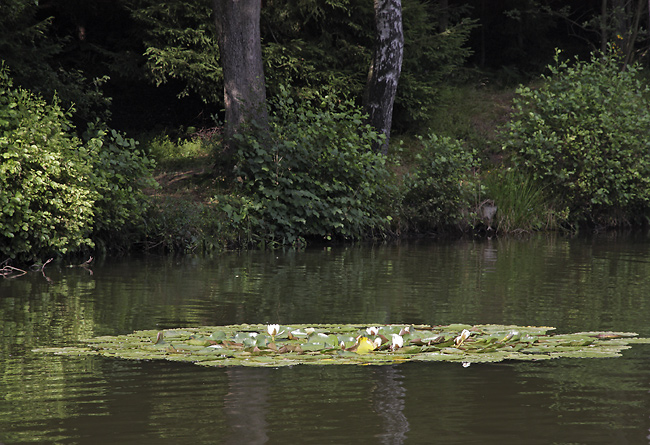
(275, 345)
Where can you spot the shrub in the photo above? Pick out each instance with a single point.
(46, 205)
(438, 192)
(119, 173)
(181, 225)
(583, 135)
(316, 176)
(57, 194)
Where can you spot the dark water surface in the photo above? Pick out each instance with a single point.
(600, 283)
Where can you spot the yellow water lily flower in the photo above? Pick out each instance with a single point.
(365, 346)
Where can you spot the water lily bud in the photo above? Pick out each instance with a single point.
(404, 331)
(462, 337)
(510, 335)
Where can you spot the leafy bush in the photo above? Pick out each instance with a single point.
(46, 204)
(583, 135)
(57, 194)
(181, 225)
(120, 171)
(439, 190)
(316, 176)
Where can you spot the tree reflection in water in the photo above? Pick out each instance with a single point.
(246, 405)
(388, 402)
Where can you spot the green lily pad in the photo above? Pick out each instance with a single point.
(252, 345)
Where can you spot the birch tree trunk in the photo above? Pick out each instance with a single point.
(240, 48)
(385, 68)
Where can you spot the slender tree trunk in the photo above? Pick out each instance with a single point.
(240, 47)
(629, 49)
(603, 26)
(386, 67)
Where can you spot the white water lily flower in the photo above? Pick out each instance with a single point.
(373, 330)
(273, 329)
(253, 334)
(377, 342)
(397, 341)
(309, 331)
(462, 337)
(466, 364)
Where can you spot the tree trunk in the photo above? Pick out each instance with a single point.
(385, 68)
(240, 47)
(604, 39)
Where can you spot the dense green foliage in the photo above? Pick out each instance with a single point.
(307, 45)
(46, 205)
(317, 175)
(434, 55)
(120, 171)
(439, 191)
(70, 181)
(57, 193)
(181, 44)
(39, 62)
(582, 134)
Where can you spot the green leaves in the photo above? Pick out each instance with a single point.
(315, 177)
(578, 135)
(57, 192)
(46, 206)
(250, 345)
(437, 191)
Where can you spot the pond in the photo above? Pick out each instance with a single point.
(574, 284)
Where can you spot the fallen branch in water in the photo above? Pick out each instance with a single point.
(11, 272)
(85, 265)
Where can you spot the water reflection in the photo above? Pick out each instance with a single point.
(389, 396)
(574, 284)
(246, 405)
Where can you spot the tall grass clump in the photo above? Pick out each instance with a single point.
(582, 135)
(180, 152)
(522, 203)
